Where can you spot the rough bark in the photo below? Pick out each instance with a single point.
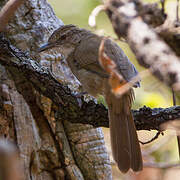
(50, 147)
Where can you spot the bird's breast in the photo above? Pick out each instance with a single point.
(91, 82)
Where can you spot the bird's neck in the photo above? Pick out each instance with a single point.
(84, 34)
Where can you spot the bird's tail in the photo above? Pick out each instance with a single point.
(124, 141)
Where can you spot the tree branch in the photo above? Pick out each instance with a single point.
(162, 165)
(150, 51)
(69, 108)
(171, 36)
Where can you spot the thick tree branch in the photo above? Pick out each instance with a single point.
(171, 35)
(150, 51)
(43, 157)
(150, 12)
(69, 108)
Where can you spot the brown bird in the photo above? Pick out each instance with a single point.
(80, 48)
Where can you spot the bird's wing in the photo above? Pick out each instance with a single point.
(86, 55)
(124, 66)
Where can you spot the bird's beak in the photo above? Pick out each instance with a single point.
(45, 47)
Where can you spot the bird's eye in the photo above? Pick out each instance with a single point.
(63, 37)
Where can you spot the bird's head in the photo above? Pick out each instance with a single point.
(64, 39)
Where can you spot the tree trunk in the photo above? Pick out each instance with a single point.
(49, 146)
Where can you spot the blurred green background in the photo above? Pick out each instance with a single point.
(152, 93)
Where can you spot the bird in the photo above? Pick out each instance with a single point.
(80, 48)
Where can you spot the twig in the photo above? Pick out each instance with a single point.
(162, 165)
(163, 6)
(178, 137)
(177, 14)
(8, 11)
(174, 98)
(152, 139)
(94, 13)
(154, 147)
